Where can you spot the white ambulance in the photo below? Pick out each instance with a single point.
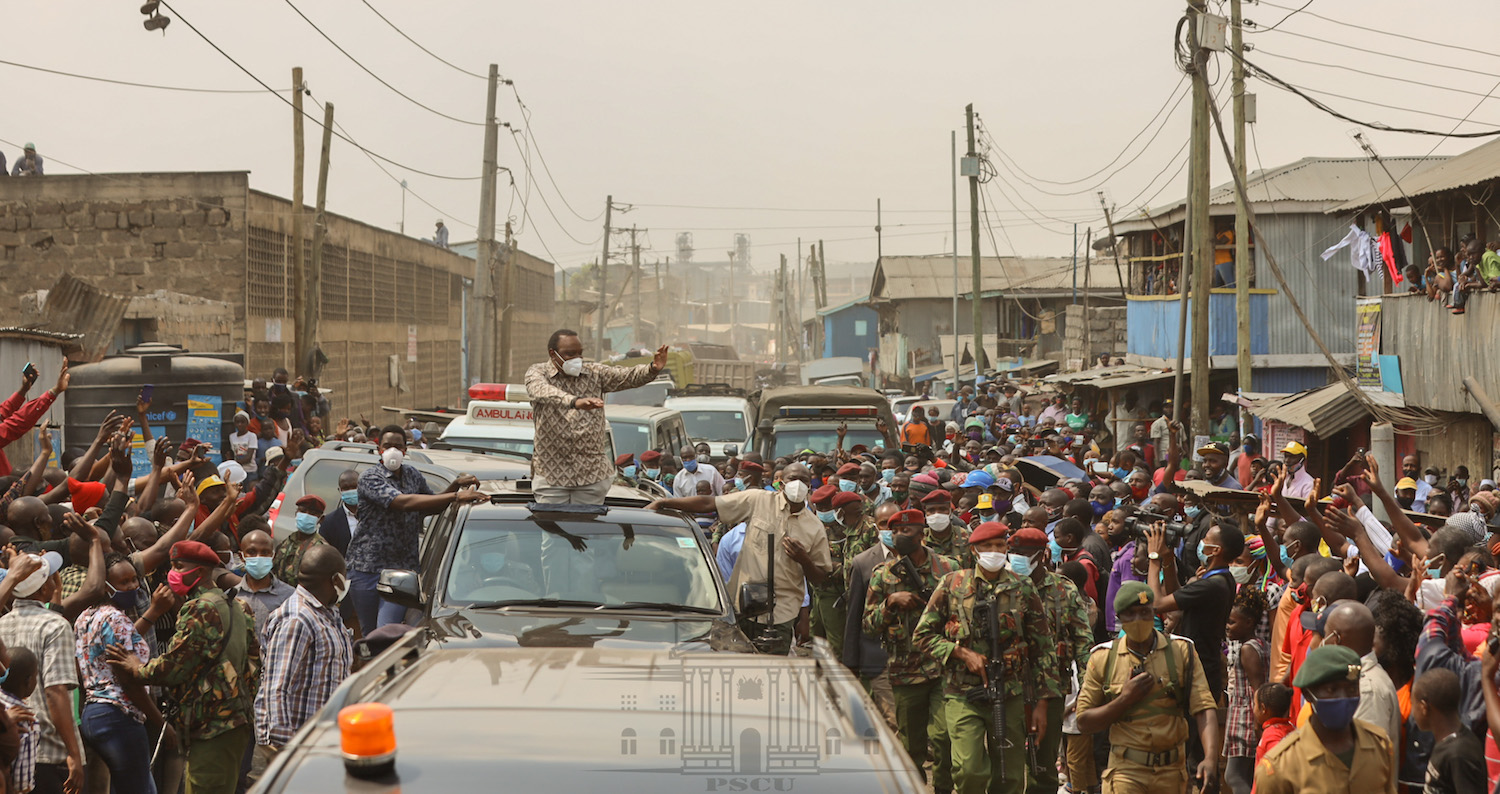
(498, 419)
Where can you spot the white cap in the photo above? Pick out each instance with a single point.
(52, 561)
(232, 472)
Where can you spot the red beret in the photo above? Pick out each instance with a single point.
(989, 530)
(1030, 537)
(313, 503)
(823, 494)
(197, 553)
(845, 497)
(85, 494)
(189, 445)
(750, 465)
(908, 517)
(650, 456)
(624, 459)
(849, 468)
(937, 497)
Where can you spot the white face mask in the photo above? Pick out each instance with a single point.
(392, 458)
(340, 586)
(937, 522)
(1431, 479)
(1241, 573)
(572, 367)
(795, 491)
(993, 560)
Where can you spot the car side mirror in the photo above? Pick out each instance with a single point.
(401, 587)
(755, 599)
(731, 450)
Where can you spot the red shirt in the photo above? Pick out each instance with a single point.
(1272, 731)
(1295, 643)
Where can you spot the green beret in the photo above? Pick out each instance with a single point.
(1131, 594)
(1328, 663)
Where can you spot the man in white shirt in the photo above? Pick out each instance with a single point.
(243, 444)
(1410, 467)
(695, 471)
(1299, 483)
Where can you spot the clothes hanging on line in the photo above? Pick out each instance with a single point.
(1363, 251)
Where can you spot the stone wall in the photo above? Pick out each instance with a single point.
(1106, 334)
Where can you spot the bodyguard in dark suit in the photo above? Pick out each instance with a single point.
(340, 524)
(862, 653)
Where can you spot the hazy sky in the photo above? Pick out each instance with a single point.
(818, 107)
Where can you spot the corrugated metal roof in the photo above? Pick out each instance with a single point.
(1324, 411)
(1111, 377)
(1316, 181)
(78, 306)
(1470, 168)
(898, 277)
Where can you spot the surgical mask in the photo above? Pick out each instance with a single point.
(1431, 479)
(307, 523)
(847, 486)
(1334, 713)
(1055, 549)
(827, 516)
(888, 538)
(1241, 573)
(392, 458)
(1121, 474)
(653, 473)
(904, 544)
(1138, 630)
(1021, 564)
(1434, 573)
(939, 522)
(691, 464)
(993, 560)
(340, 586)
(739, 483)
(258, 567)
(492, 561)
(1463, 482)
(1192, 511)
(350, 497)
(124, 600)
(887, 475)
(573, 367)
(1203, 552)
(179, 584)
(1140, 493)
(628, 471)
(1100, 508)
(795, 492)
(1002, 506)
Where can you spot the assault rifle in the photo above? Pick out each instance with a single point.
(987, 632)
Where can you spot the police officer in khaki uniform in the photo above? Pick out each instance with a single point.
(1333, 751)
(1142, 687)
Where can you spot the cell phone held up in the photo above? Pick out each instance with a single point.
(146, 392)
(29, 371)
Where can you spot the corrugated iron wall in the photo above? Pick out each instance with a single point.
(1437, 349)
(1325, 290)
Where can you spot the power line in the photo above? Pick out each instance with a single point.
(1289, 16)
(543, 197)
(531, 136)
(1366, 50)
(142, 85)
(439, 58)
(1444, 45)
(525, 216)
(377, 77)
(864, 210)
(317, 121)
(1374, 125)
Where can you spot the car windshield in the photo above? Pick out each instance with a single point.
(791, 439)
(522, 445)
(630, 436)
(652, 394)
(716, 425)
(590, 562)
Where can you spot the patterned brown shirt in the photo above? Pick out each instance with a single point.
(572, 445)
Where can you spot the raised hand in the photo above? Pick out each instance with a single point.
(63, 379)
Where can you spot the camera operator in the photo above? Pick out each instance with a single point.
(1204, 601)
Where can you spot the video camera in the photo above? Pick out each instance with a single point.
(1142, 520)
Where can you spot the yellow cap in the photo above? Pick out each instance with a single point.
(1294, 448)
(985, 502)
(1406, 484)
(208, 482)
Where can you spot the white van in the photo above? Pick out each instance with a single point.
(637, 428)
(498, 418)
(716, 420)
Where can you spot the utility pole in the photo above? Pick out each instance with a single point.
(822, 284)
(1075, 263)
(482, 342)
(299, 264)
(1202, 226)
(307, 342)
(635, 264)
(1241, 212)
(977, 319)
(609, 205)
(953, 154)
(879, 238)
(1114, 244)
(1088, 248)
(734, 308)
(508, 289)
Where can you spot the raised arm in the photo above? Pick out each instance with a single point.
(85, 463)
(1411, 536)
(153, 557)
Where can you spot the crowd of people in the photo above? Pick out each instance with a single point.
(28, 164)
(1145, 636)
(154, 634)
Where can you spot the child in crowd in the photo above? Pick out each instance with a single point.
(1273, 712)
(1457, 761)
(1248, 664)
(20, 682)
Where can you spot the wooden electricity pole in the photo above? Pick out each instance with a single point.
(974, 303)
(1242, 262)
(609, 205)
(482, 333)
(507, 316)
(299, 265)
(1201, 225)
(307, 342)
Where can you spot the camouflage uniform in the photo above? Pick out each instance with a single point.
(863, 536)
(1072, 638)
(916, 678)
(215, 694)
(1030, 664)
(288, 558)
(956, 545)
(828, 615)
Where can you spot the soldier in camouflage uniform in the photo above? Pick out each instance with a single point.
(828, 613)
(287, 560)
(945, 532)
(861, 534)
(211, 668)
(949, 633)
(625, 469)
(1072, 639)
(893, 606)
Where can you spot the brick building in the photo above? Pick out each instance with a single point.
(205, 261)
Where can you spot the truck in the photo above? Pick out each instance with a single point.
(794, 418)
(836, 371)
(697, 363)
